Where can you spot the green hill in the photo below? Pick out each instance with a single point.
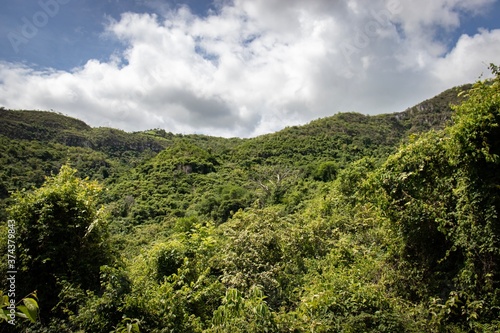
(350, 223)
(53, 127)
(346, 137)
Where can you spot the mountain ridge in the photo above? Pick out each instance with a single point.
(38, 119)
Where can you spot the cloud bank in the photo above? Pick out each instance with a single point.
(253, 67)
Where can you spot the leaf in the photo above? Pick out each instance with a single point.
(5, 299)
(23, 313)
(133, 328)
(3, 315)
(29, 309)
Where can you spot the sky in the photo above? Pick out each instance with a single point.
(238, 68)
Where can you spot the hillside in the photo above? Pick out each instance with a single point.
(346, 137)
(354, 134)
(350, 223)
(47, 126)
(37, 143)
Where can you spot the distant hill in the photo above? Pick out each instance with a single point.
(433, 113)
(37, 143)
(54, 127)
(40, 125)
(352, 133)
(348, 136)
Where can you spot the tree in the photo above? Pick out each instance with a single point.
(474, 149)
(274, 182)
(61, 236)
(326, 171)
(443, 192)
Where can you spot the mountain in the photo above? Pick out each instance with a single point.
(388, 129)
(350, 223)
(47, 126)
(433, 113)
(344, 137)
(36, 143)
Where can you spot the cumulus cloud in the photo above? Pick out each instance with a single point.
(469, 57)
(252, 67)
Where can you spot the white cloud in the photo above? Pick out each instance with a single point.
(419, 16)
(470, 57)
(256, 66)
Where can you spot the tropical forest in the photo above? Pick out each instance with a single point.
(350, 223)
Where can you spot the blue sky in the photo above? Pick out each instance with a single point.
(237, 68)
(74, 34)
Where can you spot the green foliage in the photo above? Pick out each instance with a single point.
(443, 198)
(273, 182)
(181, 297)
(328, 227)
(239, 314)
(326, 171)
(224, 201)
(128, 325)
(61, 235)
(419, 185)
(54, 127)
(98, 312)
(254, 253)
(28, 309)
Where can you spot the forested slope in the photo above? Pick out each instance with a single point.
(350, 223)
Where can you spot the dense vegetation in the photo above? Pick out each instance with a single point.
(351, 223)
